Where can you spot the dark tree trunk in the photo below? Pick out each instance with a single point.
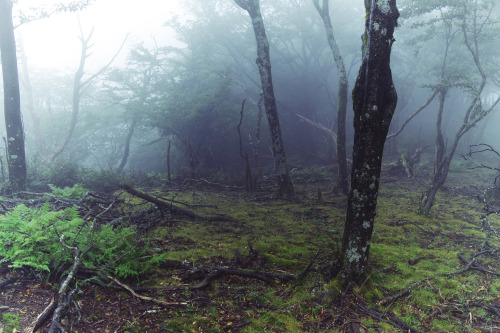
(285, 186)
(342, 185)
(169, 178)
(12, 101)
(126, 151)
(374, 102)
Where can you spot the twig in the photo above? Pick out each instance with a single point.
(405, 292)
(144, 298)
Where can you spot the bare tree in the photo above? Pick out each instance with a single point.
(12, 100)
(285, 186)
(342, 185)
(79, 87)
(374, 98)
(471, 26)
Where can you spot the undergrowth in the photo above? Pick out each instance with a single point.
(31, 239)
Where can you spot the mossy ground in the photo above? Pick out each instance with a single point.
(287, 234)
(407, 247)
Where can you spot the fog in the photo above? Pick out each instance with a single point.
(186, 66)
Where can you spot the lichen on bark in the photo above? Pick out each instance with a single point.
(374, 102)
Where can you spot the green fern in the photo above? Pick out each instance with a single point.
(75, 192)
(28, 239)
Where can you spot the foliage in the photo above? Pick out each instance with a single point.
(101, 180)
(77, 191)
(62, 173)
(31, 240)
(10, 322)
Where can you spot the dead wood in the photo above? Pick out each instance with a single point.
(42, 317)
(9, 280)
(174, 209)
(404, 165)
(402, 222)
(145, 298)
(388, 317)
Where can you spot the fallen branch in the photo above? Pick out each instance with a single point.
(406, 291)
(42, 317)
(174, 209)
(145, 298)
(9, 280)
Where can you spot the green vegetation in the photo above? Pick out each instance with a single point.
(407, 247)
(31, 238)
(77, 191)
(10, 323)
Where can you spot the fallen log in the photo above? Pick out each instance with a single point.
(174, 209)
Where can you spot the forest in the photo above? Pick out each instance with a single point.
(250, 166)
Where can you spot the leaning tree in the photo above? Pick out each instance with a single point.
(466, 29)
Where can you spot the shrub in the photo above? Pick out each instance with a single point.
(77, 191)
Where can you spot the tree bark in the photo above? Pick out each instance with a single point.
(374, 98)
(169, 178)
(77, 94)
(126, 150)
(12, 100)
(285, 186)
(30, 106)
(342, 185)
(474, 113)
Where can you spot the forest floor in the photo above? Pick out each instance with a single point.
(243, 275)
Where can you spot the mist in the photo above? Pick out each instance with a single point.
(281, 104)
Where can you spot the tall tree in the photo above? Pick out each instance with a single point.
(79, 87)
(12, 100)
(285, 186)
(134, 88)
(324, 12)
(374, 102)
(471, 19)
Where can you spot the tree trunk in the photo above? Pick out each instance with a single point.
(474, 113)
(30, 106)
(285, 186)
(440, 145)
(374, 102)
(12, 100)
(169, 178)
(126, 150)
(77, 93)
(342, 185)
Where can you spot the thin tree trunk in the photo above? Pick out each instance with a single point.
(12, 100)
(77, 93)
(37, 129)
(79, 87)
(126, 150)
(169, 178)
(474, 113)
(285, 186)
(375, 99)
(440, 145)
(342, 185)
